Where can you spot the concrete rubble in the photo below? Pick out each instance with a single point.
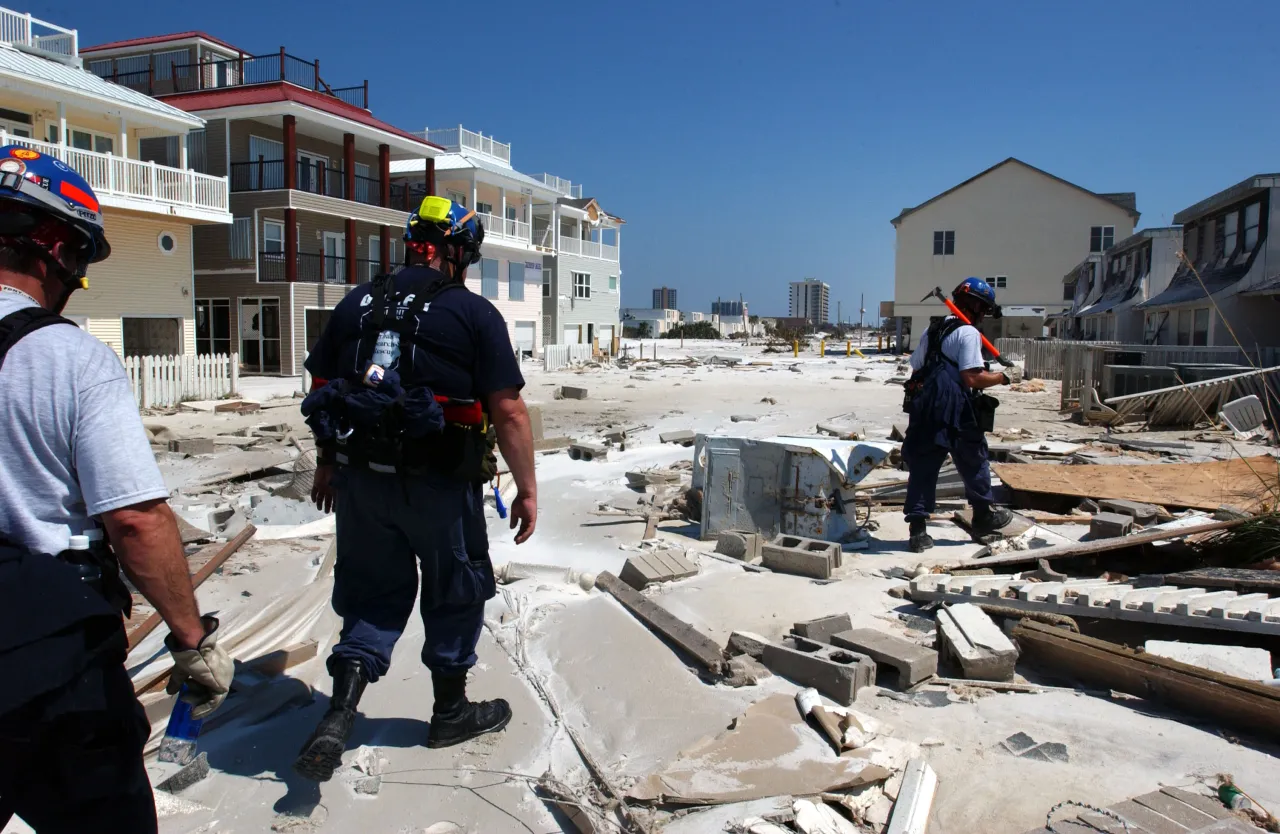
(653, 634)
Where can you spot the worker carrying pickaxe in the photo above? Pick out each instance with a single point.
(949, 414)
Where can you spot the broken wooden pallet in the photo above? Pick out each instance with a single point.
(1167, 604)
(1166, 811)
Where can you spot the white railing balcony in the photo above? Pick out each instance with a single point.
(459, 139)
(588, 248)
(22, 28)
(562, 185)
(516, 230)
(134, 182)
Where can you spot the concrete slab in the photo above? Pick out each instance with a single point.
(1110, 525)
(684, 437)
(570, 392)
(1138, 511)
(1239, 661)
(977, 644)
(659, 566)
(193, 446)
(912, 661)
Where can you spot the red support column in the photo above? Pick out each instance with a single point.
(384, 248)
(290, 152)
(384, 176)
(291, 245)
(282, 73)
(349, 166)
(431, 176)
(351, 250)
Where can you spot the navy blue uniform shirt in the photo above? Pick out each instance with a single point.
(459, 346)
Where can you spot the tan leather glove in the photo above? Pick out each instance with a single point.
(206, 670)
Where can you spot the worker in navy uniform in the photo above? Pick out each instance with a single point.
(418, 379)
(949, 414)
(81, 498)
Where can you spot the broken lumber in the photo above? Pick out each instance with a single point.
(1240, 580)
(222, 553)
(1247, 705)
(275, 663)
(701, 647)
(1103, 546)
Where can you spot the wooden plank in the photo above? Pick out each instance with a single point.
(1204, 486)
(703, 649)
(1148, 819)
(1248, 705)
(1109, 825)
(275, 663)
(1204, 804)
(1179, 812)
(212, 563)
(1093, 548)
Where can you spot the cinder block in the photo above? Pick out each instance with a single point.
(588, 451)
(822, 628)
(1139, 512)
(740, 545)
(745, 642)
(967, 635)
(549, 444)
(1110, 525)
(913, 662)
(192, 446)
(658, 566)
(837, 673)
(684, 437)
(801, 556)
(569, 392)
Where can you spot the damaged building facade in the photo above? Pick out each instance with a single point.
(1108, 288)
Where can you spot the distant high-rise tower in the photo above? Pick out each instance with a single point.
(729, 309)
(811, 299)
(664, 298)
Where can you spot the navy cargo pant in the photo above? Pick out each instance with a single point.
(388, 525)
(924, 458)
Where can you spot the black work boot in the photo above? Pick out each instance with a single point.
(455, 719)
(920, 538)
(322, 753)
(991, 520)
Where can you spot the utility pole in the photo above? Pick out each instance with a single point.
(839, 315)
(862, 310)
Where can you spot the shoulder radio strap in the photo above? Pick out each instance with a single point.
(20, 323)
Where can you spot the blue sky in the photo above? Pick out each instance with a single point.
(748, 143)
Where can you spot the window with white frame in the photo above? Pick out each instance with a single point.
(1101, 238)
(458, 197)
(998, 281)
(85, 140)
(613, 283)
(483, 207)
(546, 283)
(272, 236)
(1252, 214)
(581, 285)
(944, 243)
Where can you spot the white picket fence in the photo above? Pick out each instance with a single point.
(555, 357)
(168, 380)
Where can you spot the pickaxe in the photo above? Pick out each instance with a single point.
(955, 311)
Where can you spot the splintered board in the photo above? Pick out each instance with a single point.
(1249, 484)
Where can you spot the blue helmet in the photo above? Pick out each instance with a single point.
(439, 221)
(978, 291)
(34, 187)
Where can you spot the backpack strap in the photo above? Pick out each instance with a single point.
(20, 323)
(937, 335)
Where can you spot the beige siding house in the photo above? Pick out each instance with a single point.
(1014, 225)
(140, 300)
(313, 207)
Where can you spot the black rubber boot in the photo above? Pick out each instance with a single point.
(920, 539)
(322, 753)
(455, 719)
(991, 521)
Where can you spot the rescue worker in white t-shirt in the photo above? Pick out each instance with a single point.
(81, 498)
(950, 415)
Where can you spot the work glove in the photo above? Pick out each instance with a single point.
(206, 670)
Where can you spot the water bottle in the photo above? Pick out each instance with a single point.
(179, 742)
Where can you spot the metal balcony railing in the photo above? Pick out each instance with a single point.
(313, 268)
(313, 177)
(165, 79)
(114, 176)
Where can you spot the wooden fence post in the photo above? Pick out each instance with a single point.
(234, 361)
